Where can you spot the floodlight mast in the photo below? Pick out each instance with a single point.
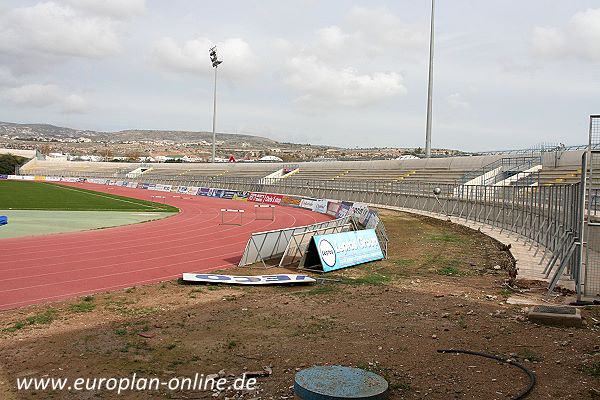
(429, 87)
(215, 63)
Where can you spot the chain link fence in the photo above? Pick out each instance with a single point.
(591, 250)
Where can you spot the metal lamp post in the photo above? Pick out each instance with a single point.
(215, 63)
(429, 87)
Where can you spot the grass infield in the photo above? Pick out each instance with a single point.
(23, 195)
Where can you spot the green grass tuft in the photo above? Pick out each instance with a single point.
(370, 279)
(84, 306)
(404, 262)
(446, 237)
(449, 271)
(593, 370)
(42, 318)
(318, 290)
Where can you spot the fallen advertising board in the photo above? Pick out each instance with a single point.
(340, 250)
(248, 280)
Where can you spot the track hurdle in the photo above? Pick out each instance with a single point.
(264, 212)
(234, 220)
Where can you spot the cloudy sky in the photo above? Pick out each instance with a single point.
(508, 73)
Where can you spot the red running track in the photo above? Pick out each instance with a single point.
(40, 269)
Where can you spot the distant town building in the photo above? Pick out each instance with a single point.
(270, 159)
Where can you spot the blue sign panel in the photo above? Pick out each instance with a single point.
(228, 194)
(203, 191)
(345, 249)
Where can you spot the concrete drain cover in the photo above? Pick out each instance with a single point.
(335, 382)
(555, 315)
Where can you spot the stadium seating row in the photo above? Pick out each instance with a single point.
(450, 170)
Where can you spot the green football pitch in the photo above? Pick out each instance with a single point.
(24, 195)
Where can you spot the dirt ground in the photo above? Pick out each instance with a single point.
(440, 288)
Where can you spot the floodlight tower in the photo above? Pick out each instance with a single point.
(429, 87)
(215, 63)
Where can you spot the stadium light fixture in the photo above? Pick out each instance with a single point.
(214, 59)
(429, 87)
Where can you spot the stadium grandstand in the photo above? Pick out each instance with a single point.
(532, 193)
(544, 168)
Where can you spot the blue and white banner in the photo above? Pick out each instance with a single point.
(307, 203)
(372, 220)
(228, 194)
(203, 191)
(212, 192)
(360, 211)
(345, 249)
(248, 280)
(320, 206)
(344, 209)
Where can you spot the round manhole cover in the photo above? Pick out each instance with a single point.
(336, 382)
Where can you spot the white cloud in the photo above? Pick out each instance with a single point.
(326, 73)
(238, 58)
(368, 32)
(548, 41)
(74, 103)
(585, 32)
(119, 9)
(57, 30)
(35, 95)
(579, 38)
(381, 30)
(332, 36)
(44, 95)
(456, 102)
(322, 85)
(6, 77)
